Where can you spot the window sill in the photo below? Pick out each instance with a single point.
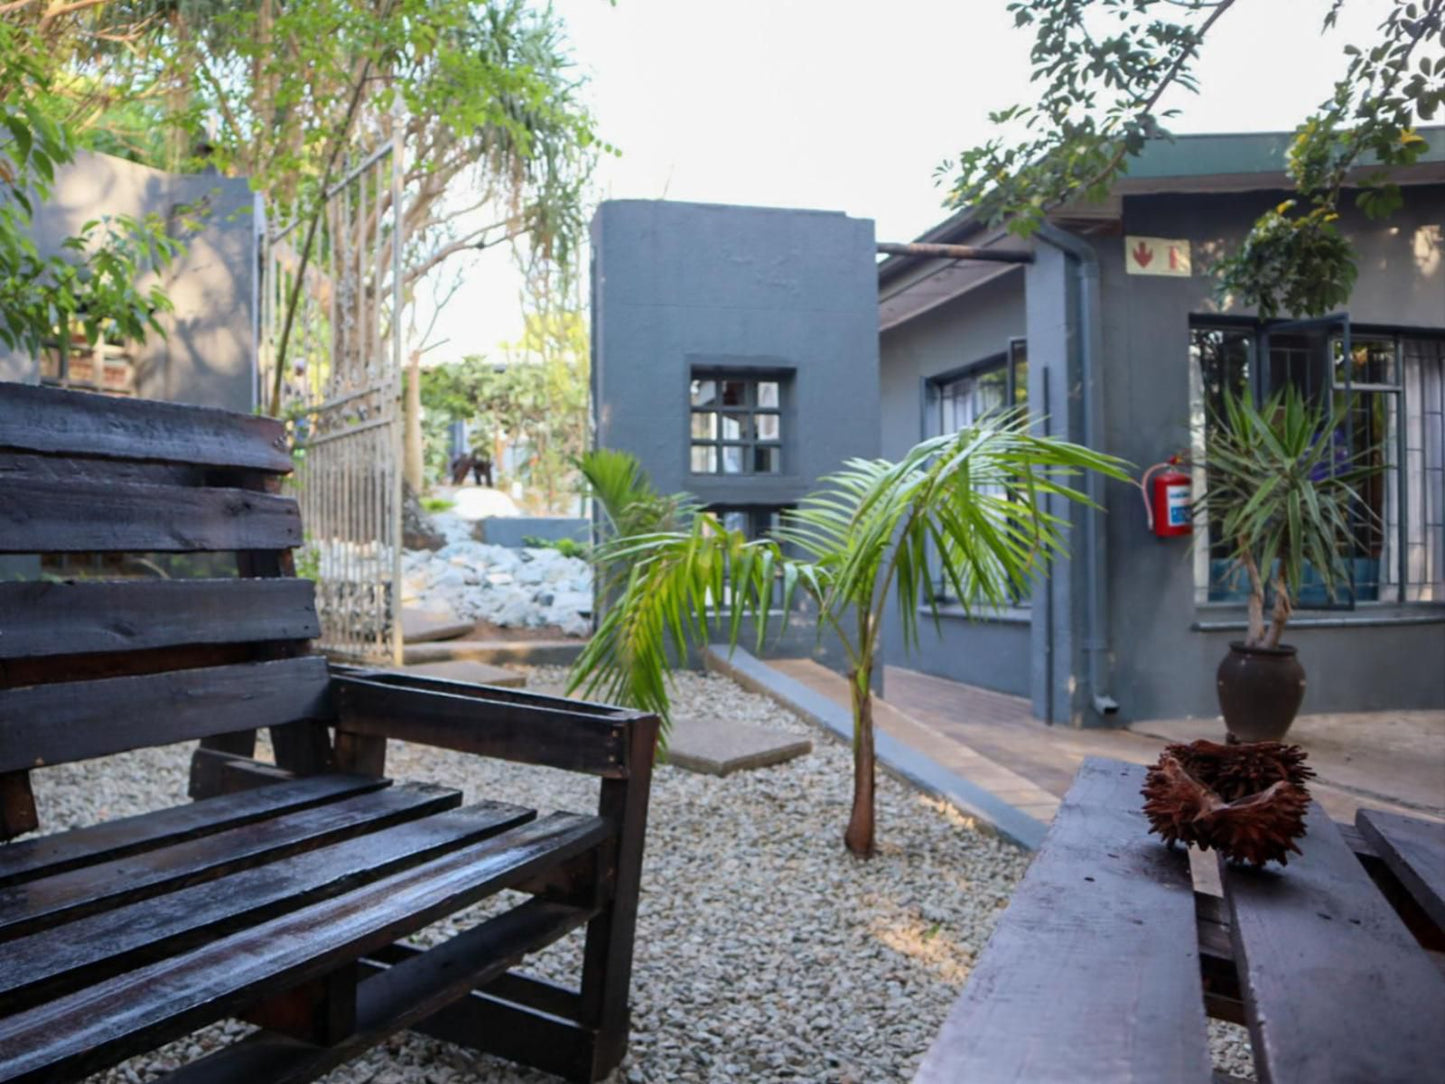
(1013, 615)
(1225, 620)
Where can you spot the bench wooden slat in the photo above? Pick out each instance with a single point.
(131, 615)
(60, 472)
(63, 722)
(473, 723)
(30, 858)
(54, 421)
(53, 961)
(1093, 970)
(99, 1026)
(409, 999)
(95, 517)
(1334, 985)
(66, 896)
(1414, 850)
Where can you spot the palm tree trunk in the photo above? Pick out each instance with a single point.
(859, 836)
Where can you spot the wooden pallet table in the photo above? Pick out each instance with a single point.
(1114, 951)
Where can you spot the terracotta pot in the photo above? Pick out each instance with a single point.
(1260, 689)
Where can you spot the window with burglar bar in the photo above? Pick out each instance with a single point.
(1390, 388)
(736, 423)
(961, 398)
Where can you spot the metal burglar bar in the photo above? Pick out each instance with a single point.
(341, 393)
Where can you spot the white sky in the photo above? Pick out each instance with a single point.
(851, 104)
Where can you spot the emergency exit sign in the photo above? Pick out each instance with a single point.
(1156, 256)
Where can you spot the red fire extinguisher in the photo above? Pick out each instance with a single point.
(1167, 498)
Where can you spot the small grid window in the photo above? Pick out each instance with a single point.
(736, 424)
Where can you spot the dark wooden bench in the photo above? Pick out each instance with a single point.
(284, 894)
(1114, 948)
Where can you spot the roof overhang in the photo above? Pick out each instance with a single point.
(909, 286)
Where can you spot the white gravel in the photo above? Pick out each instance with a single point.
(764, 951)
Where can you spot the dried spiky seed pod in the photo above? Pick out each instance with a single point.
(1248, 801)
(1235, 771)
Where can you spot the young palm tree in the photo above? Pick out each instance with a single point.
(960, 515)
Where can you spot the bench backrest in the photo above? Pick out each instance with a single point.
(125, 654)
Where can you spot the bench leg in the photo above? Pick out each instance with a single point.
(607, 960)
(205, 783)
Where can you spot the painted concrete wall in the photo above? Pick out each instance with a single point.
(678, 285)
(514, 530)
(992, 653)
(208, 356)
(1162, 665)
(1162, 647)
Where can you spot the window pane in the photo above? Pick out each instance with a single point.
(734, 393)
(735, 520)
(768, 394)
(704, 392)
(734, 427)
(768, 427)
(1021, 382)
(1224, 357)
(732, 460)
(767, 460)
(1372, 362)
(704, 426)
(704, 460)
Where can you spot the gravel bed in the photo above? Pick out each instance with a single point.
(764, 951)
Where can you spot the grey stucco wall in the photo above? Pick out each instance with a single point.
(208, 355)
(683, 285)
(677, 285)
(1162, 665)
(991, 653)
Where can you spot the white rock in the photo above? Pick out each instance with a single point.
(472, 503)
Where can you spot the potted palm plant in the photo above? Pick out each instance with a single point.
(1282, 492)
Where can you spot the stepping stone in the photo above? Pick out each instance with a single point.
(426, 626)
(469, 670)
(713, 746)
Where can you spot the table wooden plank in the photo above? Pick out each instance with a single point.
(1415, 852)
(1335, 987)
(1093, 971)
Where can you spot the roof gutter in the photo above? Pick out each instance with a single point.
(1086, 327)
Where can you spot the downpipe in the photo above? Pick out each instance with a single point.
(1085, 322)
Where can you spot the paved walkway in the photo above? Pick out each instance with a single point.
(1383, 761)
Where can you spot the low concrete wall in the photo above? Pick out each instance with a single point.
(513, 530)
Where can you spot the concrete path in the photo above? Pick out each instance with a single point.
(1392, 761)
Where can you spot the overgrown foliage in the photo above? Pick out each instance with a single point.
(534, 403)
(1282, 489)
(1105, 68)
(960, 517)
(96, 282)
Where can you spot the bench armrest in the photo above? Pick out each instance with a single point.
(509, 724)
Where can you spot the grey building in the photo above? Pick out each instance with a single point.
(1112, 334)
(735, 349)
(208, 354)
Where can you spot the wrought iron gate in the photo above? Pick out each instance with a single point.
(341, 391)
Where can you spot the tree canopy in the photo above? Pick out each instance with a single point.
(1104, 68)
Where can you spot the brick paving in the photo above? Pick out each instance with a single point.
(1379, 760)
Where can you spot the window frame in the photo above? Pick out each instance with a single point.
(1392, 587)
(750, 411)
(1013, 361)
